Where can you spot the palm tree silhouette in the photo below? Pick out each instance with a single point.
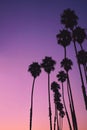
(67, 65)
(79, 35)
(62, 76)
(48, 66)
(58, 105)
(54, 88)
(82, 57)
(35, 71)
(69, 19)
(60, 109)
(64, 39)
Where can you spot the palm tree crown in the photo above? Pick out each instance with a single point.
(66, 63)
(62, 113)
(69, 18)
(55, 86)
(82, 57)
(79, 35)
(34, 69)
(48, 64)
(64, 38)
(62, 76)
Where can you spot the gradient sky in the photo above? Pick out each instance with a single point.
(28, 33)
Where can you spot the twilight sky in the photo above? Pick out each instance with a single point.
(28, 33)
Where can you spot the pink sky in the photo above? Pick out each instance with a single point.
(28, 33)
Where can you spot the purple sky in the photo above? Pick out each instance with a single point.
(28, 33)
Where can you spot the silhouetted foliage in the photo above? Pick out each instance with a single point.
(79, 35)
(62, 76)
(34, 69)
(62, 113)
(48, 64)
(66, 64)
(82, 57)
(69, 19)
(55, 86)
(57, 101)
(71, 33)
(64, 38)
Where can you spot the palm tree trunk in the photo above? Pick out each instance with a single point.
(31, 109)
(50, 113)
(68, 119)
(84, 66)
(60, 123)
(81, 47)
(72, 104)
(85, 71)
(55, 117)
(69, 100)
(83, 86)
(65, 52)
(57, 120)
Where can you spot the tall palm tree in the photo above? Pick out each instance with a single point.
(35, 71)
(62, 76)
(67, 65)
(54, 87)
(61, 111)
(64, 39)
(48, 66)
(58, 105)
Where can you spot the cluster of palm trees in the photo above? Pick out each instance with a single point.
(71, 33)
(35, 69)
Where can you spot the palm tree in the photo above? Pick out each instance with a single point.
(82, 57)
(48, 66)
(58, 105)
(79, 35)
(35, 71)
(54, 87)
(67, 65)
(69, 19)
(61, 111)
(62, 76)
(64, 39)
